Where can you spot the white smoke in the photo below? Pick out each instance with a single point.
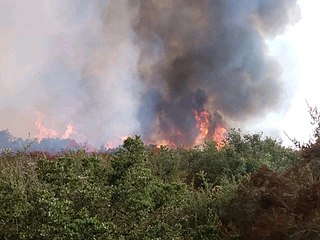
(72, 61)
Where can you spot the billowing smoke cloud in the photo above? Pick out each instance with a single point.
(208, 54)
(120, 67)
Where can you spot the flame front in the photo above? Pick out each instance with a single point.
(70, 130)
(203, 122)
(206, 127)
(207, 130)
(51, 133)
(219, 136)
(43, 131)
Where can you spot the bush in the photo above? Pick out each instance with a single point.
(146, 192)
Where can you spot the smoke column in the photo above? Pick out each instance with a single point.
(210, 55)
(120, 67)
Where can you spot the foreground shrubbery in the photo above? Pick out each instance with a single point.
(252, 188)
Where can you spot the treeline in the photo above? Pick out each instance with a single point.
(52, 145)
(252, 188)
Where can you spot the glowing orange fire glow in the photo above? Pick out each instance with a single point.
(51, 133)
(124, 138)
(43, 131)
(115, 143)
(70, 130)
(173, 140)
(204, 122)
(219, 136)
(206, 128)
(164, 143)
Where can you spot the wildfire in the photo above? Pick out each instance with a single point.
(164, 143)
(207, 127)
(43, 131)
(204, 124)
(51, 133)
(219, 136)
(202, 120)
(70, 130)
(115, 143)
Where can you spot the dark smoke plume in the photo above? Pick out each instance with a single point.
(114, 68)
(207, 54)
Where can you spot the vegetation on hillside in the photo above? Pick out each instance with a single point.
(252, 188)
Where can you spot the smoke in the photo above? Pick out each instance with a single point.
(49, 145)
(120, 67)
(208, 55)
(72, 61)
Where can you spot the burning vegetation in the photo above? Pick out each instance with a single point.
(207, 130)
(175, 72)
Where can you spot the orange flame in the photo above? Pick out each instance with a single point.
(69, 131)
(203, 120)
(43, 131)
(51, 133)
(219, 136)
(164, 143)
